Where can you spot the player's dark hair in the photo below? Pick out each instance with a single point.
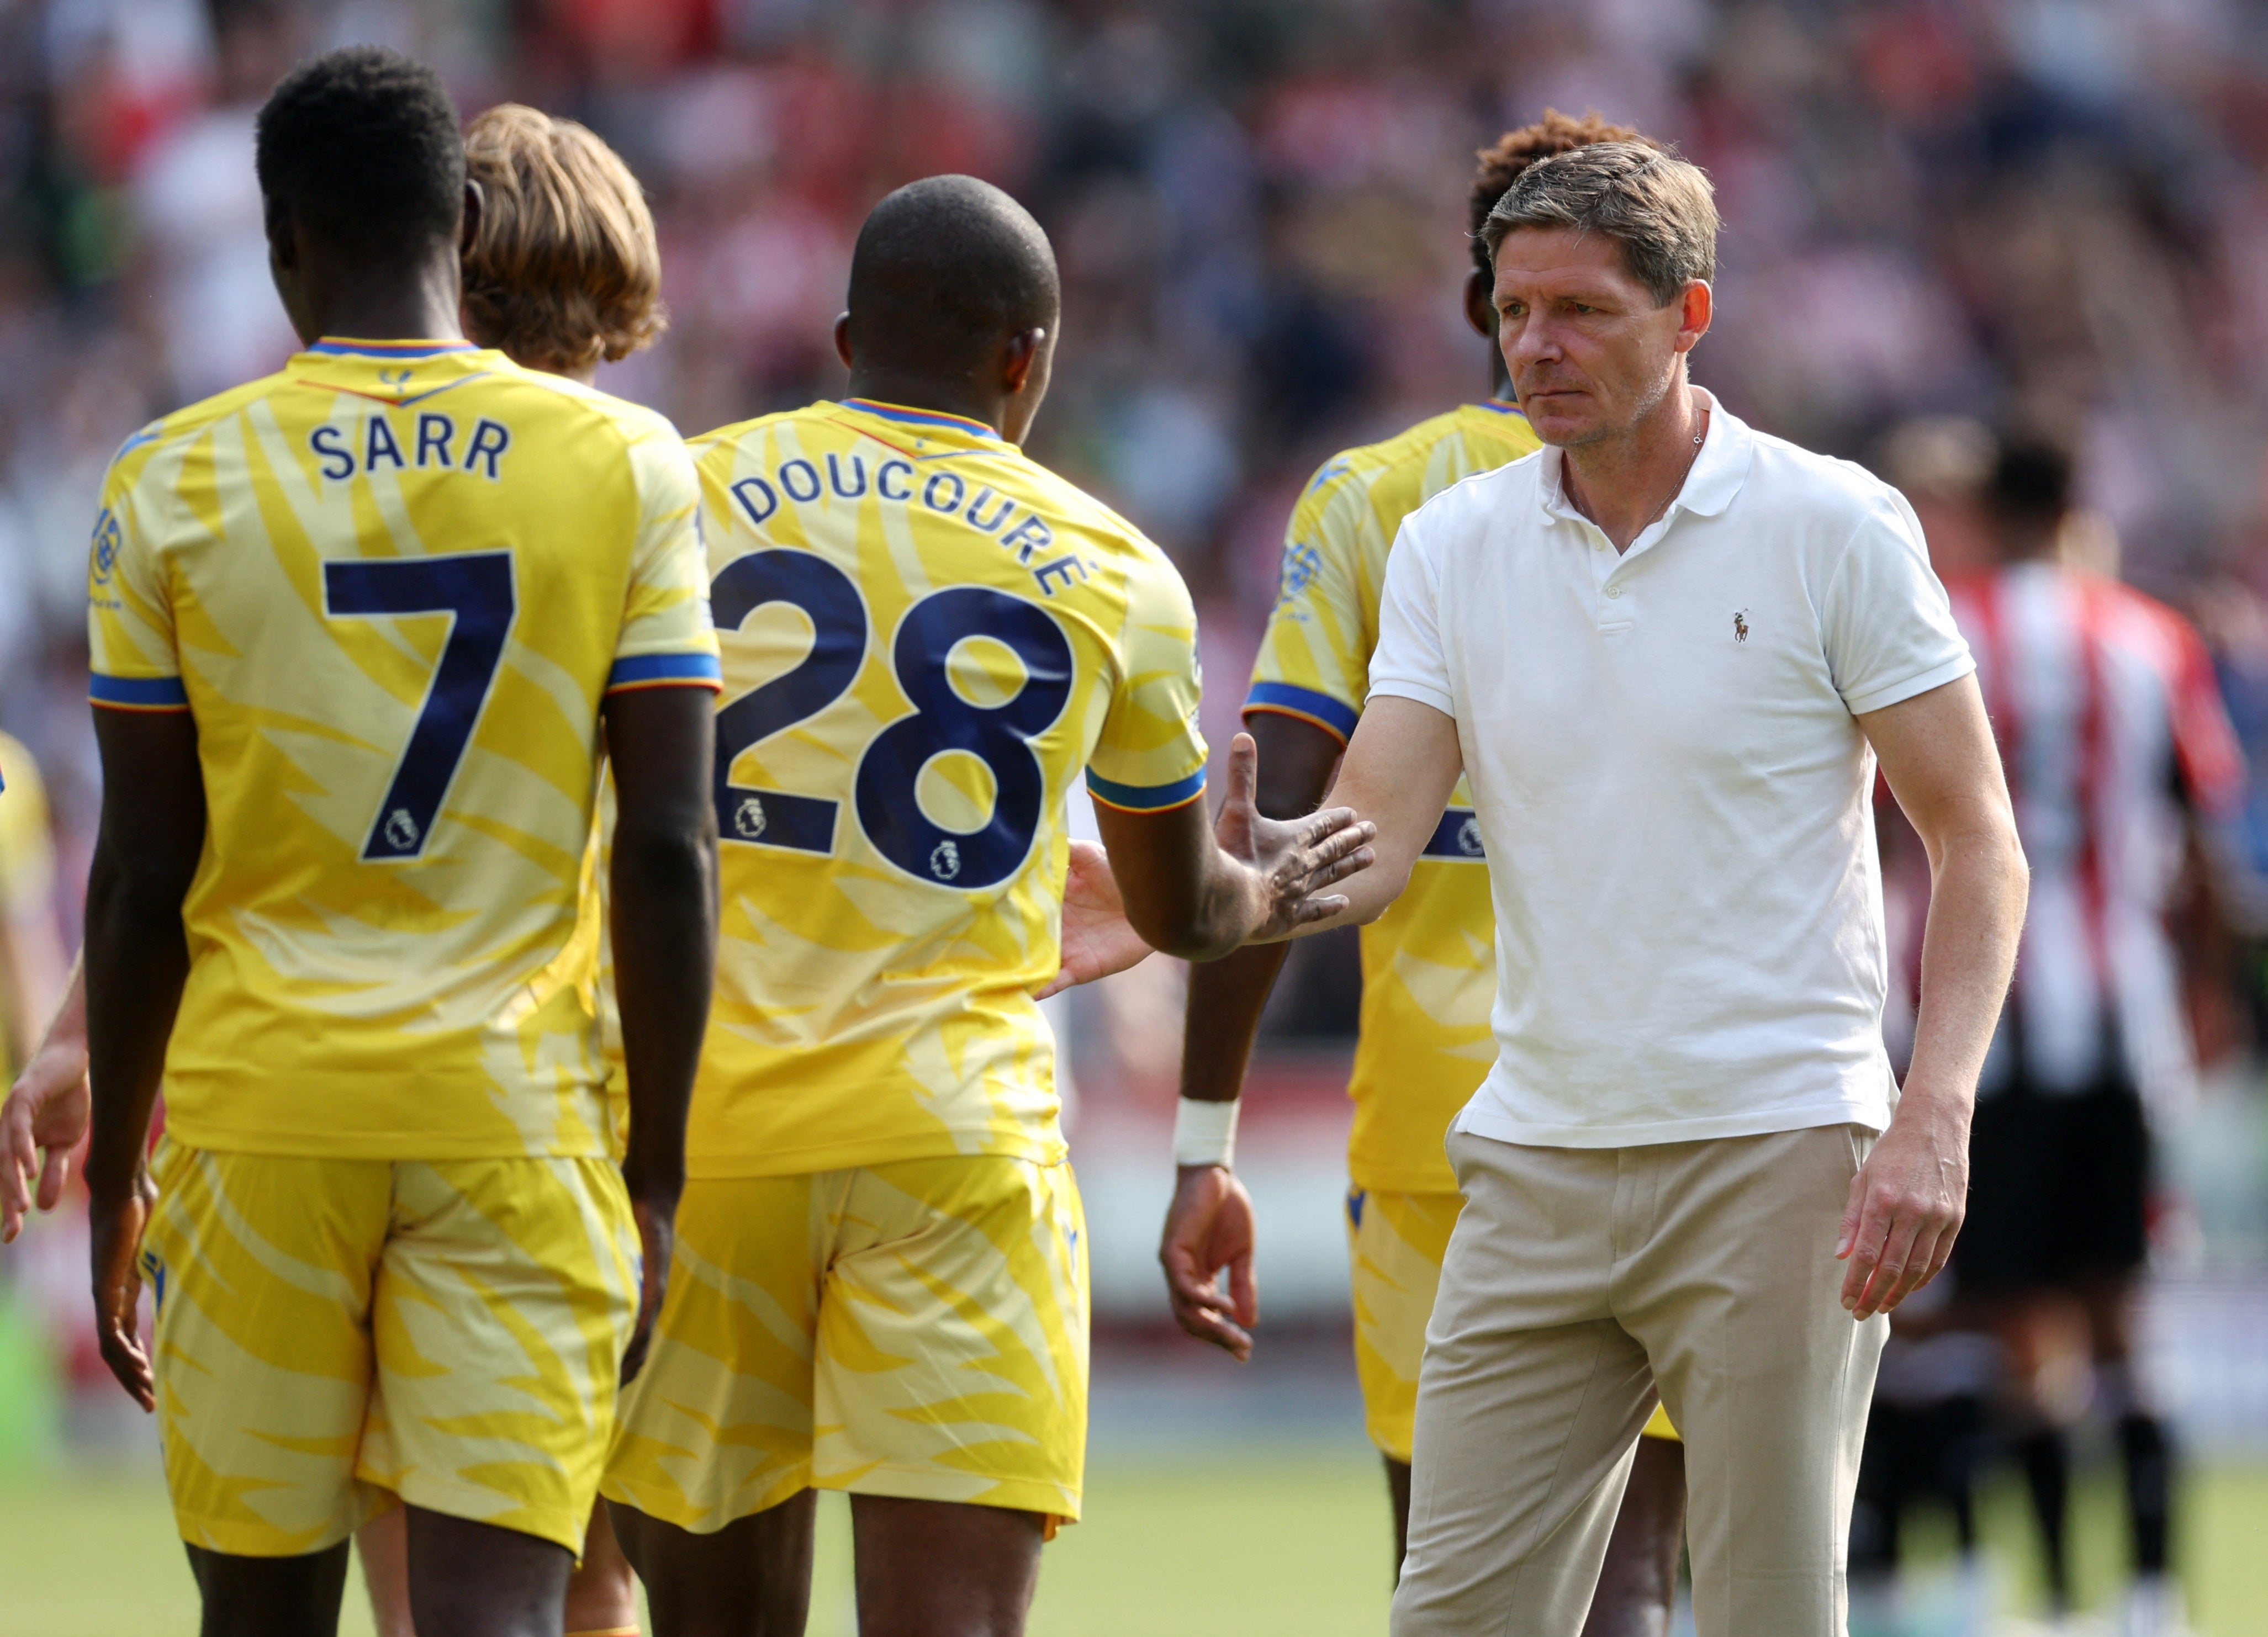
(943, 269)
(1502, 162)
(2031, 482)
(363, 145)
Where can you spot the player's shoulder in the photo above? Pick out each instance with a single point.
(1499, 491)
(722, 445)
(1352, 472)
(573, 400)
(191, 421)
(2133, 612)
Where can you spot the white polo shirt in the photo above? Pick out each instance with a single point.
(1674, 796)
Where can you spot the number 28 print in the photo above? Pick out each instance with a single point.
(943, 721)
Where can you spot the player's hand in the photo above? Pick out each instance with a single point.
(1208, 1228)
(114, 1224)
(1906, 1206)
(1097, 939)
(1293, 860)
(656, 1226)
(43, 1124)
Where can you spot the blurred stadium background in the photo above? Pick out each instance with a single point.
(2044, 213)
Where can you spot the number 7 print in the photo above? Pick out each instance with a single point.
(475, 589)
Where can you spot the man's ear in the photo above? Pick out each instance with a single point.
(1698, 305)
(1480, 302)
(475, 204)
(843, 341)
(282, 240)
(1017, 357)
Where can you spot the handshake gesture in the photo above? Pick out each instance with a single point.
(1162, 881)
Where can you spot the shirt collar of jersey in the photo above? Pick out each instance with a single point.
(348, 346)
(1717, 474)
(925, 422)
(397, 373)
(1500, 406)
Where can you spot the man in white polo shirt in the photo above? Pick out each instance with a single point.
(1667, 652)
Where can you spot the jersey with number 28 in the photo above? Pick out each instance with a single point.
(391, 585)
(925, 637)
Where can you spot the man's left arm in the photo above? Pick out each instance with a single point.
(1908, 1200)
(137, 961)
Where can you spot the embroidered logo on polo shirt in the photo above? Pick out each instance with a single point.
(1740, 625)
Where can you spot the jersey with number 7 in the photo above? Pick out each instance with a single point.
(926, 636)
(392, 583)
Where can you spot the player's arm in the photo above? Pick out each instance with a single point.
(1908, 1200)
(137, 959)
(1198, 889)
(2207, 778)
(1208, 1226)
(663, 886)
(1399, 771)
(44, 1120)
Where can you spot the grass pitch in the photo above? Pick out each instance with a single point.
(1239, 1540)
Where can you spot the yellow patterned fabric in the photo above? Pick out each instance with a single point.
(28, 866)
(1395, 1245)
(1396, 1241)
(333, 1331)
(392, 583)
(1429, 962)
(926, 636)
(915, 1329)
(27, 845)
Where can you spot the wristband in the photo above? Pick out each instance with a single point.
(1205, 1133)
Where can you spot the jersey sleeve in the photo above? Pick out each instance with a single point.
(1411, 662)
(2206, 752)
(132, 657)
(1885, 621)
(1315, 656)
(667, 639)
(1150, 756)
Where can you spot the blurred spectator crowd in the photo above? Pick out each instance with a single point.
(2042, 215)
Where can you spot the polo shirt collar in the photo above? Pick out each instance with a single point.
(1717, 472)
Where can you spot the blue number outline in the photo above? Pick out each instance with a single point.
(754, 815)
(477, 590)
(889, 764)
(941, 721)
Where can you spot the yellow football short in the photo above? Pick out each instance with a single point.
(1395, 1243)
(914, 1328)
(333, 1334)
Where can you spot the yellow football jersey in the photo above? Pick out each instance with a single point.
(1429, 963)
(392, 583)
(925, 635)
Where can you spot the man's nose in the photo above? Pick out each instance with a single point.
(1534, 340)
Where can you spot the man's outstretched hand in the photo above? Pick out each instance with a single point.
(1292, 860)
(42, 1125)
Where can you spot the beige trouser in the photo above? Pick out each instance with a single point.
(1576, 1279)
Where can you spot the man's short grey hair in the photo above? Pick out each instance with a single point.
(1659, 208)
